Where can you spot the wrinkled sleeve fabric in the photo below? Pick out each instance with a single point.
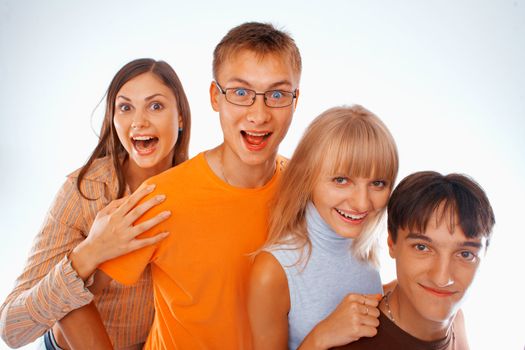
(48, 287)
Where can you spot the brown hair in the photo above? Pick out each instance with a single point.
(454, 196)
(342, 140)
(261, 38)
(109, 143)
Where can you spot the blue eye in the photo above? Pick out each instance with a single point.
(240, 92)
(340, 180)
(276, 94)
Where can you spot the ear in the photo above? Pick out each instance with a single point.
(391, 246)
(296, 99)
(214, 96)
(181, 123)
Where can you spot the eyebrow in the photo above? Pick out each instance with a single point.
(146, 99)
(420, 236)
(272, 86)
(412, 235)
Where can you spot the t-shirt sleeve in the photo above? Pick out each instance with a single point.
(128, 268)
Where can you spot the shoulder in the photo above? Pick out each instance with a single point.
(460, 332)
(267, 273)
(186, 170)
(268, 285)
(101, 170)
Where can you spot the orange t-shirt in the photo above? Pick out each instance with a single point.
(200, 271)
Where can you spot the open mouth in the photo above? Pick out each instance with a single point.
(145, 144)
(354, 218)
(255, 140)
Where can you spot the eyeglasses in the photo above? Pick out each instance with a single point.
(246, 97)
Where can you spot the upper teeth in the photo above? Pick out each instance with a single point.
(351, 216)
(142, 138)
(256, 133)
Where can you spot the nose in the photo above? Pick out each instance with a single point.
(258, 113)
(139, 121)
(361, 198)
(441, 272)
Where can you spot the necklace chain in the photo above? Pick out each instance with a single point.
(222, 169)
(387, 298)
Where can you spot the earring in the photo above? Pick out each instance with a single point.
(180, 129)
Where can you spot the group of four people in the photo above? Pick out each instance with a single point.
(239, 248)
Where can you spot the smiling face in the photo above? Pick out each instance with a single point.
(348, 204)
(434, 270)
(252, 134)
(147, 120)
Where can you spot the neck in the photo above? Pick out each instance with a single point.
(410, 320)
(136, 175)
(234, 171)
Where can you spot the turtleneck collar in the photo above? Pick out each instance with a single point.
(322, 235)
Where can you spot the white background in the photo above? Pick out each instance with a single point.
(447, 77)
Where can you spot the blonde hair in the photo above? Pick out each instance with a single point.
(342, 140)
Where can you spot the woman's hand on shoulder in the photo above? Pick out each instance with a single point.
(113, 234)
(355, 317)
(268, 303)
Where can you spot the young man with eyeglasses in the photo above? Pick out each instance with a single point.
(439, 228)
(219, 200)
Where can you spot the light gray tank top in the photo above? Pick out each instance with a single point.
(330, 274)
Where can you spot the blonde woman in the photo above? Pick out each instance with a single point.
(315, 283)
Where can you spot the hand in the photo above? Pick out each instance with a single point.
(112, 234)
(355, 317)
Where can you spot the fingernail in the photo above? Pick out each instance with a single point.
(160, 197)
(165, 214)
(151, 187)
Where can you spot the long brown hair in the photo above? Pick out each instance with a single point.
(342, 140)
(109, 143)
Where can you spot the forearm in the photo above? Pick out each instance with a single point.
(84, 260)
(312, 341)
(83, 329)
(29, 312)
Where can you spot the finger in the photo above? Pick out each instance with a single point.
(146, 225)
(371, 300)
(139, 210)
(134, 198)
(362, 299)
(369, 321)
(114, 205)
(144, 242)
(367, 331)
(369, 311)
(377, 296)
(111, 206)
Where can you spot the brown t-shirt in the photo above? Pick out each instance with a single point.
(390, 336)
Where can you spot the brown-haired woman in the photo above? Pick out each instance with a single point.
(145, 131)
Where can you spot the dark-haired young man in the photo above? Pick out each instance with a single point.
(439, 228)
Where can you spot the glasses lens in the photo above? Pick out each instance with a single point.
(278, 98)
(240, 96)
